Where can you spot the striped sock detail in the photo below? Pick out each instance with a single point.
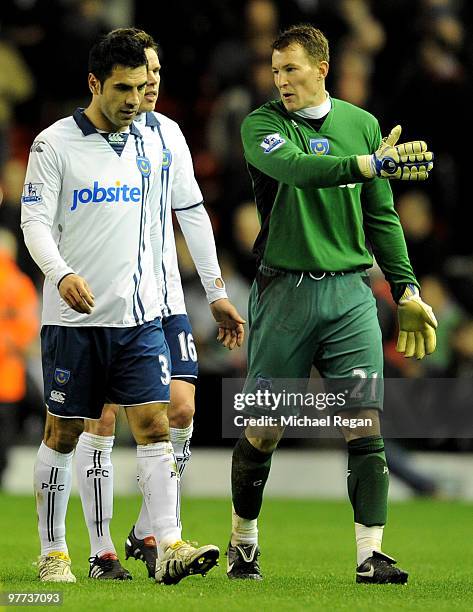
(178, 504)
(51, 501)
(98, 495)
(182, 462)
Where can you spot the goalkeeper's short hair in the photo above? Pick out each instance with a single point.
(311, 39)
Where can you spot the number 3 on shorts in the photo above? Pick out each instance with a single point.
(166, 377)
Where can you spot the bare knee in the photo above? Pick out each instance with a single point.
(105, 426)
(149, 424)
(264, 439)
(364, 423)
(263, 444)
(62, 434)
(181, 413)
(182, 407)
(152, 431)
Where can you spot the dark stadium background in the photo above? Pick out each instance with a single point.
(407, 61)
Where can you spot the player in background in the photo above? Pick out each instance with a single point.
(181, 193)
(91, 221)
(310, 302)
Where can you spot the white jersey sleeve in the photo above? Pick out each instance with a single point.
(187, 202)
(197, 229)
(40, 201)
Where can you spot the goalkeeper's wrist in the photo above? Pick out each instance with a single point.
(367, 166)
(410, 290)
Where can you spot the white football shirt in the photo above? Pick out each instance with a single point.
(180, 193)
(90, 210)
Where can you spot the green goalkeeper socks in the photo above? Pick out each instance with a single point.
(250, 471)
(368, 480)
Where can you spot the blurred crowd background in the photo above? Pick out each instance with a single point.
(406, 61)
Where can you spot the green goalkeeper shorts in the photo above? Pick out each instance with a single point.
(299, 320)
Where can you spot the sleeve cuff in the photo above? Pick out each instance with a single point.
(214, 294)
(58, 276)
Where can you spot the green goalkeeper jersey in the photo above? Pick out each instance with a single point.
(316, 209)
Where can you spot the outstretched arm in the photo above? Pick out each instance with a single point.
(269, 149)
(198, 233)
(196, 227)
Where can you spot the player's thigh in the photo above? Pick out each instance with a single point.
(280, 342)
(75, 370)
(280, 349)
(184, 371)
(182, 406)
(148, 422)
(105, 426)
(178, 333)
(140, 369)
(350, 341)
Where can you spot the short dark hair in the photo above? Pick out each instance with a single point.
(141, 36)
(117, 48)
(311, 39)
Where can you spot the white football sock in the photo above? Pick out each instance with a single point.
(94, 471)
(52, 486)
(368, 539)
(244, 531)
(181, 440)
(158, 479)
(143, 527)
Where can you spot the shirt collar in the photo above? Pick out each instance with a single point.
(316, 112)
(87, 127)
(148, 119)
(151, 120)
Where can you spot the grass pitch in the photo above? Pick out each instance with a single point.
(308, 559)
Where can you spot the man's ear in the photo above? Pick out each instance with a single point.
(94, 84)
(323, 69)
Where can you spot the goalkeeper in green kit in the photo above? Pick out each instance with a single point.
(319, 167)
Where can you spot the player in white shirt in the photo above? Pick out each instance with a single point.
(181, 193)
(92, 221)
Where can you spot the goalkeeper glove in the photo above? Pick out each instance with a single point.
(417, 325)
(409, 161)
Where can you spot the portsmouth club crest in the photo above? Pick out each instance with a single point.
(319, 146)
(167, 159)
(144, 165)
(62, 376)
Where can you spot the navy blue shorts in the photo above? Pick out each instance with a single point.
(86, 367)
(178, 332)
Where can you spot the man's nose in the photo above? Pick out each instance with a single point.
(134, 98)
(281, 80)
